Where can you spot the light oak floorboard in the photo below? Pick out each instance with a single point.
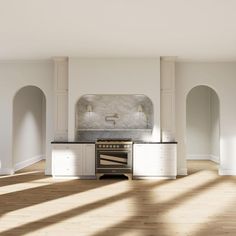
(199, 204)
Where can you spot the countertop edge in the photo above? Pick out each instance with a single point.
(150, 142)
(93, 142)
(72, 142)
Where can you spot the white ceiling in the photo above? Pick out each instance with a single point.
(189, 29)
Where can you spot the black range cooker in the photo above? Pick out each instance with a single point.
(114, 157)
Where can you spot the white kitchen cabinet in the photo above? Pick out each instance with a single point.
(73, 160)
(154, 160)
(60, 99)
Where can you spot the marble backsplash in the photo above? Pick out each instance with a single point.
(112, 112)
(144, 135)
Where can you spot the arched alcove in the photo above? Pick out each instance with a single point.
(128, 115)
(203, 125)
(29, 127)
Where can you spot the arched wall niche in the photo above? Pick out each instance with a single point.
(115, 114)
(28, 126)
(202, 129)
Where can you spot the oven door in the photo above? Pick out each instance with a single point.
(113, 159)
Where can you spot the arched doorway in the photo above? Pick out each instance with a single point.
(29, 128)
(202, 129)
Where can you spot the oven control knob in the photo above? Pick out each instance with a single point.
(110, 146)
(103, 145)
(117, 146)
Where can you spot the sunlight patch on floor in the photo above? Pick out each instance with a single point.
(71, 208)
(20, 174)
(191, 211)
(99, 217)
(34, 184)
(181, 186)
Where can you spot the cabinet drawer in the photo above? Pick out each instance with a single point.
(66, 151)
(170, 171)
(73, 160)
(154, 170)
(166, 162)
(154, 160)
(67, 166)
(67, 170)
(66, 160)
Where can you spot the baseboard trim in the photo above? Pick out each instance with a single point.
(227, 171)
(215, 159)
(28, 162)
(6, 171)
(204, 158)
(182, 171)
(48, 172)
(199, 157)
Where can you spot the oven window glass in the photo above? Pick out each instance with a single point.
(117, 159)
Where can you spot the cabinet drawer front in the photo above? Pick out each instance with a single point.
(66, 160)
(66, 151)
(67, 172)
(67, 169)
(166, 162)
(145, 169)
(166, 172)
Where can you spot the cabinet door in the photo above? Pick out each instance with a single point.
(89, 159)
(167, 79)
(67, 160)
(154, 160)
(145, 160)
(60, 99)
(168, 159)
(61, 75)
(61, 116)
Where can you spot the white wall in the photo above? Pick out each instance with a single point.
(221, 77)
(13, 76)
(114, 76)
(28, 127)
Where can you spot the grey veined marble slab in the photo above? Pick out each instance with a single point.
(144, 135)
(114, 112)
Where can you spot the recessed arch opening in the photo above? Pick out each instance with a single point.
(29, 127)
(202, 129)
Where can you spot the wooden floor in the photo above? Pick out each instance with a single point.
(200, 204)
